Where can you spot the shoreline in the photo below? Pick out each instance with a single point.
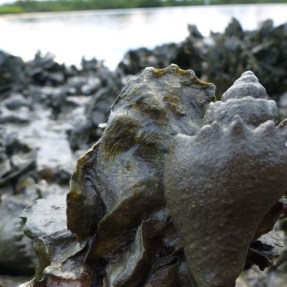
(51, 113)
(111, 11)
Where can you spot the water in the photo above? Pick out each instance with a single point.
(108, 34)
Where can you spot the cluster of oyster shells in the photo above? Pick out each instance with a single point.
(173, 193)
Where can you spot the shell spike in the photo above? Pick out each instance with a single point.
(248, 76)
(204, 133)
(238, 127)
(267, 129)
(216, 126)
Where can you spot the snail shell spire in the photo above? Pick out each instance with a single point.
(247, 85)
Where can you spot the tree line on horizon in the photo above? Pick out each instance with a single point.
(27, 6)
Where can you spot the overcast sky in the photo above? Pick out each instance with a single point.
(6, 1)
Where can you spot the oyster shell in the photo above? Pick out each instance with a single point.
(117, 189)
(124, 169)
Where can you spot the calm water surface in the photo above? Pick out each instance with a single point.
(108, 34)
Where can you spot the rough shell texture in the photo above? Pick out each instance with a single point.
(124, 170)
(252, 111)
(212, 194)
(16, 250)
(55, 245)
(246, 85)
(123, 176)
(117, 201)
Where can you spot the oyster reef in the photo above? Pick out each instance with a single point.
(176, 192)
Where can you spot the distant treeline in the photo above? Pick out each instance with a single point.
(26, 6)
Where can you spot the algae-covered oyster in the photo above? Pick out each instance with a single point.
(122, 176)
(167, 151)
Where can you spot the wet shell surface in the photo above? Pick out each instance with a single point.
(217, 198)
(16, 251)
(163, 198)
(122, 176)
(221, 182)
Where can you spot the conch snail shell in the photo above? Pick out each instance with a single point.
(221, 182)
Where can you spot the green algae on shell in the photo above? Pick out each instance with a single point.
(128, 159)
(126, 168)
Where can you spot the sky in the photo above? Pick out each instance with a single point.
(6, 1)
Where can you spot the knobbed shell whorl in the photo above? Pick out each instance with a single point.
(246, 98)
